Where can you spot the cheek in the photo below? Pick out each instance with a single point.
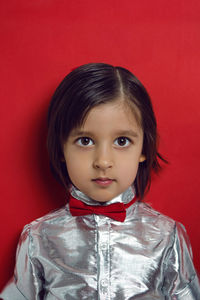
(128, 169)
(76, 165)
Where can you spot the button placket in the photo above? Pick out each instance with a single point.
(103, 238)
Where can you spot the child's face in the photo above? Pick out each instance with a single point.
(102, 156)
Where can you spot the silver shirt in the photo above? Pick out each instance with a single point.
(148, 256)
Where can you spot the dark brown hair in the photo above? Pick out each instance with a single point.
(86, 87)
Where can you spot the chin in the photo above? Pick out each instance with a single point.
(103, 197)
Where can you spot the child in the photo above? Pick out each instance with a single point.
(105, 243)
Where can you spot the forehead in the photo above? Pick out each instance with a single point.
(115, 115)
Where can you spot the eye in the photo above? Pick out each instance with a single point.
(84, 141)
(122, 141)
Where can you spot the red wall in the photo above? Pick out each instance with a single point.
(41, 41)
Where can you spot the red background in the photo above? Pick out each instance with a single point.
(41, 41)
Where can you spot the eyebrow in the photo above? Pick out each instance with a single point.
(80, 133)
(127, 132)
(118, 133)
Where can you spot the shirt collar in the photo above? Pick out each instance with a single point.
(125, 197)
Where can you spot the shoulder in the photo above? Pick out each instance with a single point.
(51, 221)
(146, 212)
(158, 221)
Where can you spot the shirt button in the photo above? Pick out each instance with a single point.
(103, 246)
(96, 217)
(104, 283)
(112, 295)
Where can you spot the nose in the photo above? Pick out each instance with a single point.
(103, 159)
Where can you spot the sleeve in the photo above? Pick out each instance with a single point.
(181, 279)
(27, 280)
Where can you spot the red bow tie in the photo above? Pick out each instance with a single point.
(116, 211)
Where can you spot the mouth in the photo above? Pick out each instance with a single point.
(103, 181)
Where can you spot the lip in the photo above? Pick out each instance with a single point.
(103, 181)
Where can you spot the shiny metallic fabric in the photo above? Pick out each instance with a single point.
(146, 257)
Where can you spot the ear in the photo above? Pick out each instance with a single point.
(142, 158)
